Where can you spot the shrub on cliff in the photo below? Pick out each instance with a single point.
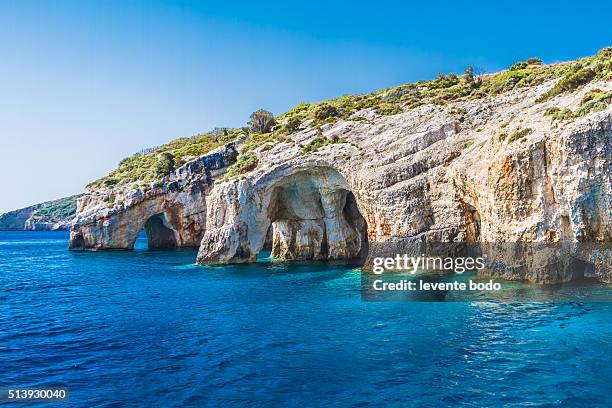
(261, 121)
(469, 74)
(559, 114)
(534, 61)
(165, 164)
(569, 82)
(525, 64)
(388, 109)
(605, 52)
(319, 141)
(469, 144)
(519, 134)
(255, 140)
(444, 81)
(518, 66)
(325, 111)
(594, 101)
(294, 117)
(469, 80)
(142, 166)
(245, 163)
(292, 124)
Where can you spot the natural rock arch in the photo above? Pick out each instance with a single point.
(162, 226)
(311, 209)
(113, 218)
(169, 224)
(160, 234)
(315, 220)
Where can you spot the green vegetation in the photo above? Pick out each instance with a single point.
(519, 134)
(502, 136)
(255, 140)
(245, 163)
(534, 61)
(518, 66)
(110, 201)
(451, 87)
(164, 164)
(261, 121)
(559, 114)
(594, 101)
(153, 165)
(605, 52)
(388, 109)
(468, 144)
(457, 111)
(362, 119)
(569, 82)
(525, 64)
(57, 210)
(265, 129)
(292, 124)
(320, 141)
(324, 112)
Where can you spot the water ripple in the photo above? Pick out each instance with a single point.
(152, 329)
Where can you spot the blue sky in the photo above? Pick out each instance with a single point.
(85, 84)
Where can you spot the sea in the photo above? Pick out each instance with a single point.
(149, 328)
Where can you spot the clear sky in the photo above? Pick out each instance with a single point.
(84, 84)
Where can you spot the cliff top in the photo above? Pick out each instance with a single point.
(153, 165)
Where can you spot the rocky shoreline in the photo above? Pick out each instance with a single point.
(56, 215)
(494, 169)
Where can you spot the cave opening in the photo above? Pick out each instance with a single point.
(159, 233)
(268, 241)
(266, 250)
(314, 216)
(355, 219)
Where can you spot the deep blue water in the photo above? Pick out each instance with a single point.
(149, 328)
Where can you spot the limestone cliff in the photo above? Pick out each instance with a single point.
(48, 216)
(172, 211)
(505, 167)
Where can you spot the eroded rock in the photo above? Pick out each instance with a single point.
(427, 175)
(172, 212)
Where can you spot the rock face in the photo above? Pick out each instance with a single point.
(429, 174)
(16, 220)
(308, 204)
(172, 212)
(48, 216)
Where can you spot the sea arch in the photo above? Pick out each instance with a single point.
(307, 211)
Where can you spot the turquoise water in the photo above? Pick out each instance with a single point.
(149, 328)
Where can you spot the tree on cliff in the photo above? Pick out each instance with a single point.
(165, 164)
(469, 74)
(261, 121)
